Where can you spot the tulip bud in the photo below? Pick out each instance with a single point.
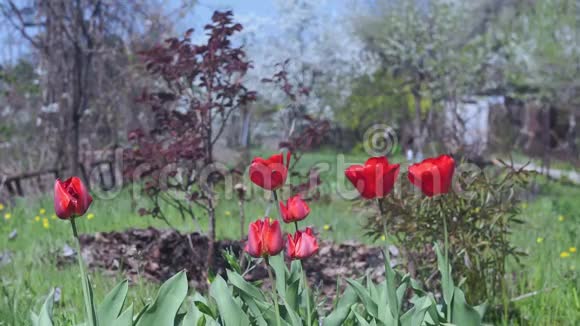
(375, 179)
(302, 245)
(270, 173)
(264, 238)
(433, 175)
(71, 198)
(295, 209)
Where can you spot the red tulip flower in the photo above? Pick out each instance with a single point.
(71, 198)
(375, 179)
(433, 175)
(264, 238)
(295, 209)
(302, 245)
(270, 173)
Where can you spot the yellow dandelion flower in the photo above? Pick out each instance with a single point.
(572, 249)
(572, 268)
(476, 210)
(1, 207)
(53, 216)
(42, 211)
(539, 240)
(228, 213)
(7, 216)
(326, 227)
(564, 254)
(524, 205)
(37, 218)
(45, 223)
(90, 216)
(561, 218)
(383, 238)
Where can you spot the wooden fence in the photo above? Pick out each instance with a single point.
(99, 173)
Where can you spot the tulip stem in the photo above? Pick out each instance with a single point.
(277, 204)
(308, 312)
(446, 249)
(274, 291)
(383, 217)
(89, 306)
(296, 225)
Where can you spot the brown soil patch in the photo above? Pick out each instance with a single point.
(158, 254)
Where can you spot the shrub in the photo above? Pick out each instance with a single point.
(202, 86)
(480, 213)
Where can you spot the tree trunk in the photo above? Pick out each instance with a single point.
(546, 137)
(211, 234)
(571, 134)
(246, 122)
(417, 126)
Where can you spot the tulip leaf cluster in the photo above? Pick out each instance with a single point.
(236, 301)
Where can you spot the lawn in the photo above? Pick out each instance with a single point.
(547, 285)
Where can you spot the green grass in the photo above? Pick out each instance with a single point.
(552, 227)
(33, 271)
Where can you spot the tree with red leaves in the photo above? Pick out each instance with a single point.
(202, 86)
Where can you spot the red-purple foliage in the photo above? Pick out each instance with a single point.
(311, 131)
(200, 88)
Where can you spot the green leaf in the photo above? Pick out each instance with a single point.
(230, 312)
(140, 314)
(34, 318)
(44, 318)
(421, 305)
(165, 306)
(292, 298)
(401, 290)
(364, 296)
(125, 319)
(92, 310)
(238, 281)
(338, 316)
(232, 261)
(279, 267)
(391, 287)
(268, 312)
(204, 308)
(446, 279)
(462, 313)
(193, 315)
(255, 310)
(291, 314)
(112, 305)
(361, 320)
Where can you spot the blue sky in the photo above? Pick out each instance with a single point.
(245, 11)
(205, 8)
(245, 8)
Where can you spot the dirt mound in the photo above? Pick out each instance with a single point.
(158, 254)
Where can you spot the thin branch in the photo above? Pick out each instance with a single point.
(22, 26)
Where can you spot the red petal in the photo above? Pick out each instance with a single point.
(273, 238)
(297, 208)
(379, 160)
(254, 245)
(84, 199)
(433, 175)
(62, 201)
(307, 244)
